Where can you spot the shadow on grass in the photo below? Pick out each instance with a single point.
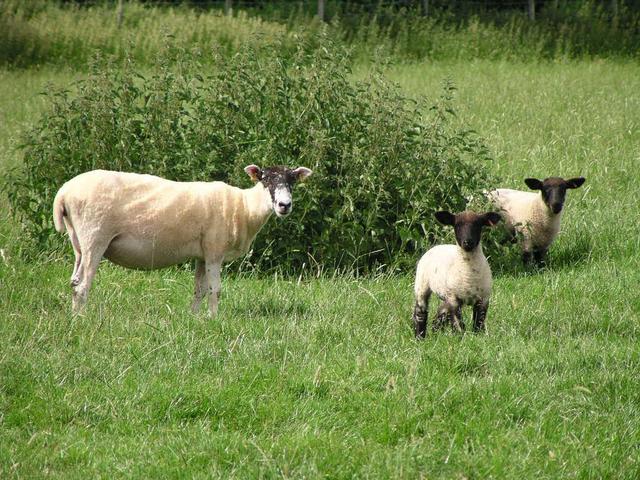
(506, 261)
(572, 255)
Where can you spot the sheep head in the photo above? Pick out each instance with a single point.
(468, 226)
(554, 190)
(279, 181)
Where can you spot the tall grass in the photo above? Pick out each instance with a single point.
(69, 34)
(586, 32)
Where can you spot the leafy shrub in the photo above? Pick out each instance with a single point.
(383, 163)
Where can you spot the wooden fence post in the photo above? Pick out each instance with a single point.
(228, 7)
(321, 10)
(119, 13)
(425, 8)
(532, 10)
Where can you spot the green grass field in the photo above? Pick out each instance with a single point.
(321, 377)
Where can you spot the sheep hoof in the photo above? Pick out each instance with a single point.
(458, 327)
(420, 331)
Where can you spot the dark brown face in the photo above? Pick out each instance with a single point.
(554, 190)
(468, 226)
(279, 181)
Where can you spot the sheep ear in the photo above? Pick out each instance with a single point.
(254, 171)
(533, 183)
(575, 182)
(446, 218)
(301, 173)
(491, 219)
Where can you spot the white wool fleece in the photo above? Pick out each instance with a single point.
(527, 214)
(454, 275)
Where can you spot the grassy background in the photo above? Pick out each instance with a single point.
(320, 377)
(38, 32)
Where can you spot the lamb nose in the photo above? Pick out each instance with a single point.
(284, 205)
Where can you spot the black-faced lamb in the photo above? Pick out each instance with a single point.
(458, 274)
(534, 216)
(147, 222)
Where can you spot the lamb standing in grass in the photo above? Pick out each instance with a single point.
(147, 222)
(458, 274)
(536, 217)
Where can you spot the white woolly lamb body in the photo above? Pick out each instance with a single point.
(457, 277)
(527, 214)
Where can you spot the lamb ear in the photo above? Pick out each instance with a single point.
(533, 183)
(301, 173)
(445, 218)
(254, 171)
(491, 219)
(574, 182)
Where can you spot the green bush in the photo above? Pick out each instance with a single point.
(383, 163)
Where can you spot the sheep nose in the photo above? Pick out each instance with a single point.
(556, 207)
(284, 205)
(467, 244)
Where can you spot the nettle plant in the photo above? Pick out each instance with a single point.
(383, 163)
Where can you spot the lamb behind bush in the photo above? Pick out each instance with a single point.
(458, 274)
(147, 222)
(536, 217)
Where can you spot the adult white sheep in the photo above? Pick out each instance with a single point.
(147, 222)
(535, 216)
(458, 274)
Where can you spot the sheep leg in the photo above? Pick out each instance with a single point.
(75, 276)
(526, 257)
(455, 315)
(75, 243)
(213, 267)
(510, 237)
(200, 289)
(87, 270)
(420, 314)
(539, 256)
(442, 317)
(479, 315)
(77, 273)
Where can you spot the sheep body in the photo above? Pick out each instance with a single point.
(147, 222)
(527, 214)
(458, 274)
(455, 276)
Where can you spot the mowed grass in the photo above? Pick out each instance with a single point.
(321, 377)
